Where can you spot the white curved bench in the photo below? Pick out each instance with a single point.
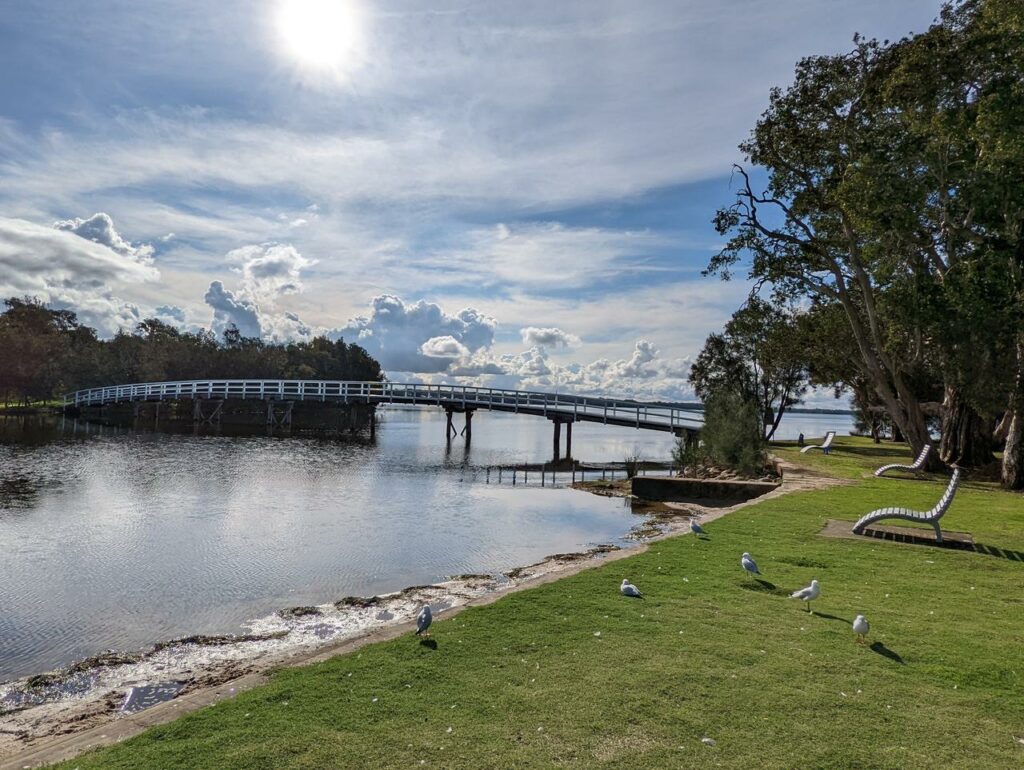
(915, 468)
(926, 517)
(824, 447)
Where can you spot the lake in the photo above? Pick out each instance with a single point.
(119, 539)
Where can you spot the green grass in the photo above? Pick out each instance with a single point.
(527, 683)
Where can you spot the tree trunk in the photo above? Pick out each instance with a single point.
(1013, 454)
(966, 435)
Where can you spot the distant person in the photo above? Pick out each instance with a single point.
(800, 440)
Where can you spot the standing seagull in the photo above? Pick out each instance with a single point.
(749, 564)
(861, 627)
(423, 621)
(696, 528)
(628, 589)
(809, 594)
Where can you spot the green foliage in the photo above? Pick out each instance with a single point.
(716, 655)
(47, 353)
(688, 454)
(760, 353)
(733, 435)
(896, 193)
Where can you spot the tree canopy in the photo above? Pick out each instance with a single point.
(895, 195)
(48, 352)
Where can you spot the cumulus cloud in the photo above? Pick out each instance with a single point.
(444, 347)
(644, 374)
(170, 314)
(418, 336)
(230, 309)
(99, 228)
(66, 268)
(548, 337)
(269, 270)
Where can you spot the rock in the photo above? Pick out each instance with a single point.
(357, 601)
(298, 612)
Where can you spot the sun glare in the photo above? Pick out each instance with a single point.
(324, 35)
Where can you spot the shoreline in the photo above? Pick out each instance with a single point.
(208, 669)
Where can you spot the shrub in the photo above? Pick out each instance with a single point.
(733, 434)
(632, 463)
(688, 452)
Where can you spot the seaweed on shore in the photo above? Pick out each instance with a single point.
(299, 612)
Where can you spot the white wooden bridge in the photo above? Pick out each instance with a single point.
(560, 408)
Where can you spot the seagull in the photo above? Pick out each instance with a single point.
(696, 528)
(423, 621)
(749, 564)
(628, 589)
(861, 627)
(809, 594)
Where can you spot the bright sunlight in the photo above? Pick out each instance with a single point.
(321, 35)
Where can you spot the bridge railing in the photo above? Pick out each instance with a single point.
(618, 411)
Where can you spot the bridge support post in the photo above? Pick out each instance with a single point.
(557, 441)
(568, 440)
(468, 430)
(449, 429)
(197, 411)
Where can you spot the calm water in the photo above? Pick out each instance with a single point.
(120, 539)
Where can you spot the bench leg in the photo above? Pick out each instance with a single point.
(938, 532)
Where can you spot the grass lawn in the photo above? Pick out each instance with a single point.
(571, 674)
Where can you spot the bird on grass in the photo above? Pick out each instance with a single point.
(809, 594)
(628, 589)
(861, 627)
(749, 564)
(423, 621)
(696, 528)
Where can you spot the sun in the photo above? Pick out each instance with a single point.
(321, 35)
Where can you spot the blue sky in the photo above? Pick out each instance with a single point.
(506, 193)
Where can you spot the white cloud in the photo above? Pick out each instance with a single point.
(230, 309)
(99, 228)
(73, 271)
(444, 347)
(540, 256)
(548, 337)
(269, 270)
(417, 336)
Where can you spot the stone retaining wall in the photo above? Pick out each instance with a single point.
(683, 489)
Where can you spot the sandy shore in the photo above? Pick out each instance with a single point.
(58, 715)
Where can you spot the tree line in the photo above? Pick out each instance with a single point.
(46, 353)
(880, 214)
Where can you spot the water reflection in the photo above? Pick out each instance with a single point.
(116, 538)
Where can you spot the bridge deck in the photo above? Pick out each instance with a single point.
(563, 407)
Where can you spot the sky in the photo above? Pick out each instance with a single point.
(504, 194)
